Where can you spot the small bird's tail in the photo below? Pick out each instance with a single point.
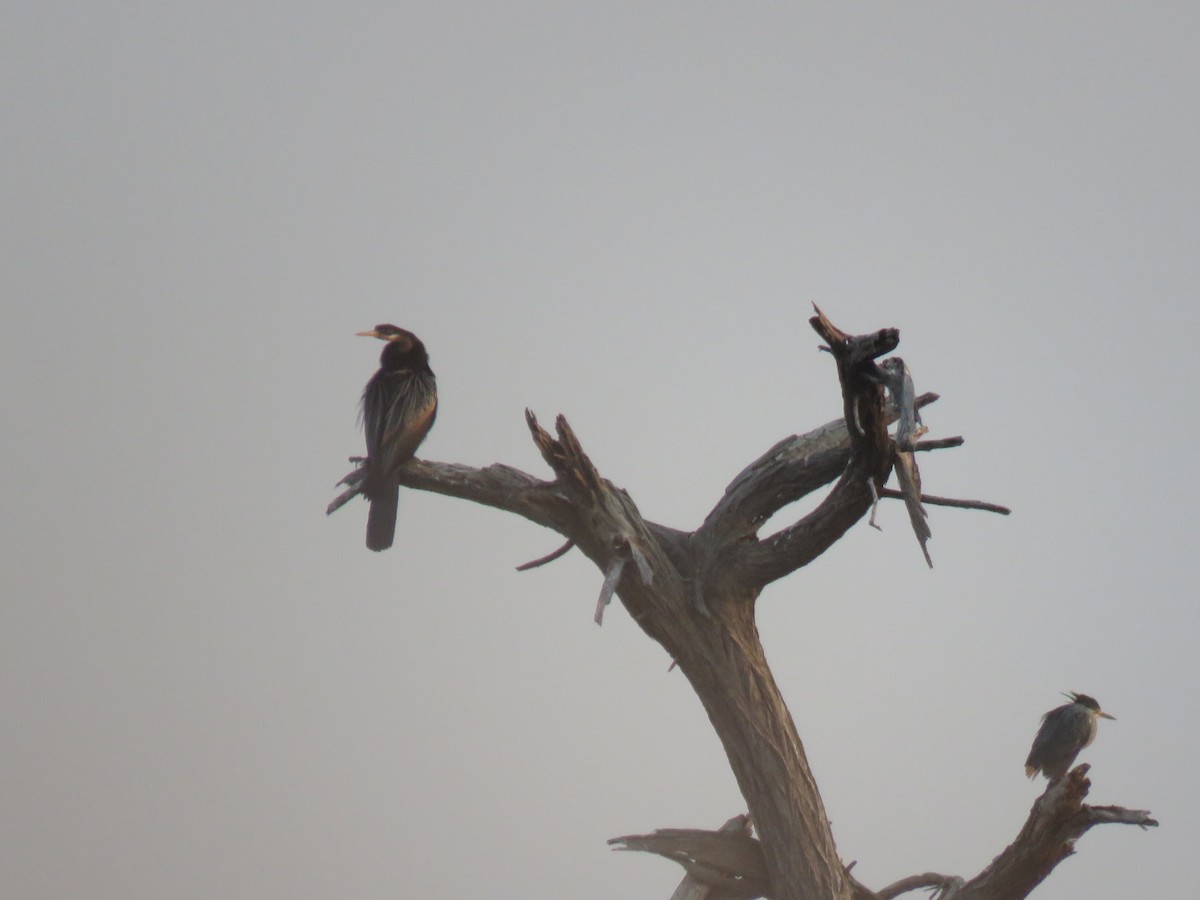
(381, 520)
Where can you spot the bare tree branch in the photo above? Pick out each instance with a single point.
(909, 476)
(793, 468)
(1119, 815)
(1057, 820)
(548, 558)
(938, 443)
(498, 485)
(949, 501)
(862, 395)
(919, 882)
(871, 455)
(354, 479)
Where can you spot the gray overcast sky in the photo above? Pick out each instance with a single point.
(621, 212)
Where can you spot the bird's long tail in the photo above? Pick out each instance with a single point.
(381, 520)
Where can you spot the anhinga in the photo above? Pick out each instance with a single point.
(399, 404)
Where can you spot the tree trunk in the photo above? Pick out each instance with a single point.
(729, 673)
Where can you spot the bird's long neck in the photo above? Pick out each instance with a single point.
(397, 357)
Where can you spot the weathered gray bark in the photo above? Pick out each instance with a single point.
(694, 592)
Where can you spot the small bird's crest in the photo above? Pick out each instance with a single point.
(1084, 699)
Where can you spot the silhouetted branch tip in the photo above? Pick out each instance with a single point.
(938, 444)
(1119, 815)
(548, 558)
(950, 501)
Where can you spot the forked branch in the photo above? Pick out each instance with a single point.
(1057, 820)
(871, 456)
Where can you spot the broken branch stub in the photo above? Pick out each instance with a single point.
(605, 523)
(730, 861)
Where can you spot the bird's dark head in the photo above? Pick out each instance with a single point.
(392, 334)
(1089, 702)
(404, 349)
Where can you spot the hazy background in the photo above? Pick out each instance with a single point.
(621, 212)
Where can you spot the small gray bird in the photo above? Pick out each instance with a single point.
(1065, 731)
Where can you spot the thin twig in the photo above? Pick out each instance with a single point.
(914, 883)
(949, 501)
(354, 479)
(342, 499)
(938, 443)
(549, 558)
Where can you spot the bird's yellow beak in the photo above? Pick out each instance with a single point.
(372, 333)
(1105, 715)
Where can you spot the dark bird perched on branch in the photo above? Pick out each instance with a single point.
(399, 404)
(1065, 731)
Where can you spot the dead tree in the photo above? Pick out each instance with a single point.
(694, 592)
